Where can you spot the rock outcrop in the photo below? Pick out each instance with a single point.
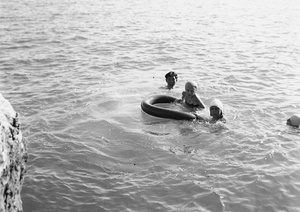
(13, 158)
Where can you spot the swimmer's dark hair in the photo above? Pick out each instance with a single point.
(171, 74)
(289, 123)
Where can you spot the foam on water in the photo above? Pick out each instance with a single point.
(77, 71)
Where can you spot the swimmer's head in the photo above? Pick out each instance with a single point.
(191, 84)
(191, 88)
(216, 109)
(294, 120)
(171, 79)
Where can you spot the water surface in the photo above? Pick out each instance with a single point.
(77, 71)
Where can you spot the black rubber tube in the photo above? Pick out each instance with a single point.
(149, 107)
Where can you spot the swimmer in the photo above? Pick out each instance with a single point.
(294, 120)
(171, 79)
(190, 97)
(216, 112)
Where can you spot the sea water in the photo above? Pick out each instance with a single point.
(77, 71)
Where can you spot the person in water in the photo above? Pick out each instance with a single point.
(294, 120)
(190, 96)
(216, 112)
(171, 79)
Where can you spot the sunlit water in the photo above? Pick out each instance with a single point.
(77, 71)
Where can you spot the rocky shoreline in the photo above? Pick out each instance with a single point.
(13, 158)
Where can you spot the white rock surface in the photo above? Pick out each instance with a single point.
(13, 158)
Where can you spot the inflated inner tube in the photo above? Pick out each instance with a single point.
(149, 107)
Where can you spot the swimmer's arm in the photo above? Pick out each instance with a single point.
(178, 101)
(182, 98)
(183, 95)
(202, 105)
(199, 102)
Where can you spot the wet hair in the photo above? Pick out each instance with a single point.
(171, 74)
(293, 121)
